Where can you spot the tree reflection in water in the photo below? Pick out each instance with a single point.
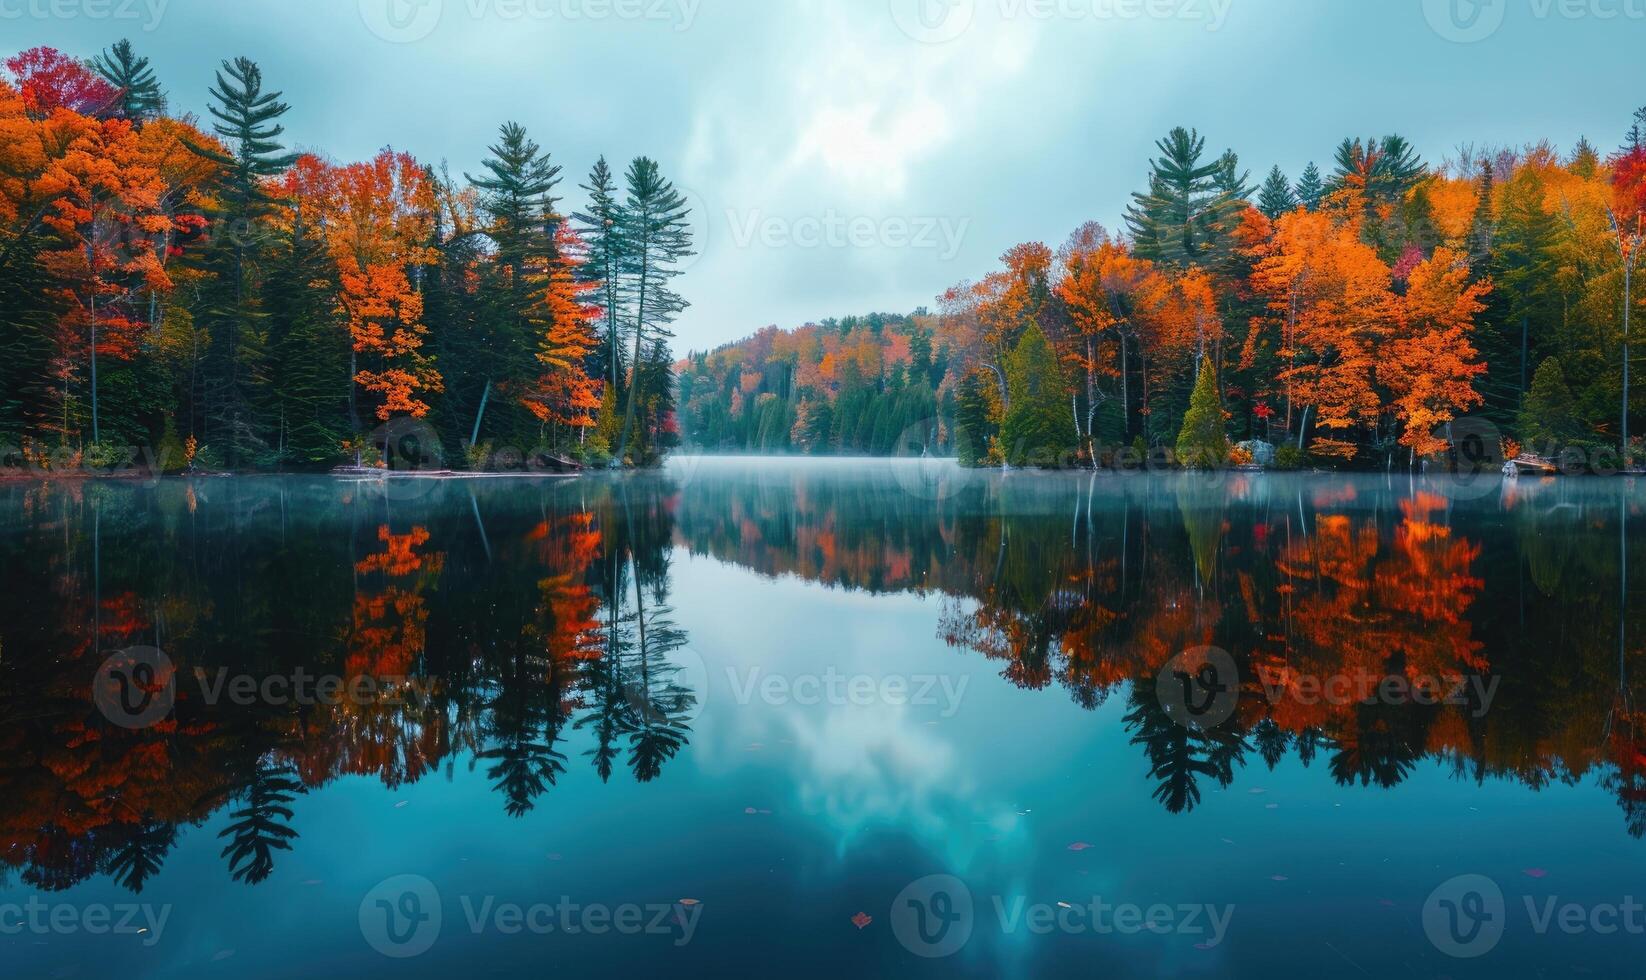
(502, 622)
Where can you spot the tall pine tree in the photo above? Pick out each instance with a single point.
(140, 98)
(657, 237)
(517, 197)
(247, 121)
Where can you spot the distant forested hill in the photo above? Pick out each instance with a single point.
(870, 385)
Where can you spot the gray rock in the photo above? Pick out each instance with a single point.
(1263, 454)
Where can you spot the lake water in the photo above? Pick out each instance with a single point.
(824, 718)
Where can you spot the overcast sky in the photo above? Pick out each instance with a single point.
(858, 155)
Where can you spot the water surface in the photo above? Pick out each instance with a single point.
(737, 715)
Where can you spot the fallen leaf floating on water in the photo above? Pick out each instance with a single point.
(690, 901)
(1080, 845)
(862, 919)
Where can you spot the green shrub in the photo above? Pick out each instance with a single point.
(1290, 458)
(105, 456)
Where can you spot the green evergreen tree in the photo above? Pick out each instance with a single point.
(973, 429)
(1202, 443)
(1184, 215)
(1311, 188)
(657, 238)
(517, 197)
(1386, 168)
(308, 350)
(1525, 301)
(247, 120)
(1585, 158)
(140, 97)
(1549, 422)
(1038, 428)
(603, 226)
(1276, 198)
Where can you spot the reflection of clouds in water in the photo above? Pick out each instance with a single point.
(855, 768)
(880, 768)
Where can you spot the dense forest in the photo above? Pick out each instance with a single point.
(1349, 317)
(208, 294)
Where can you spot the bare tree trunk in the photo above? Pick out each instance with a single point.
(97, 435)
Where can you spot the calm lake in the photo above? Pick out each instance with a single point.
(831, 717)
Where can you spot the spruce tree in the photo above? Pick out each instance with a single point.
(1311, 189)
(656, 239)
(247, 120)
(517, 198)
(1549, 421)
(1276, 198)
(603, 230)
(1202, 443)
(1038, 428)
(308, 349)
(1384, 169)
(1526, 292)
(140, 97)
(1184, 215)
